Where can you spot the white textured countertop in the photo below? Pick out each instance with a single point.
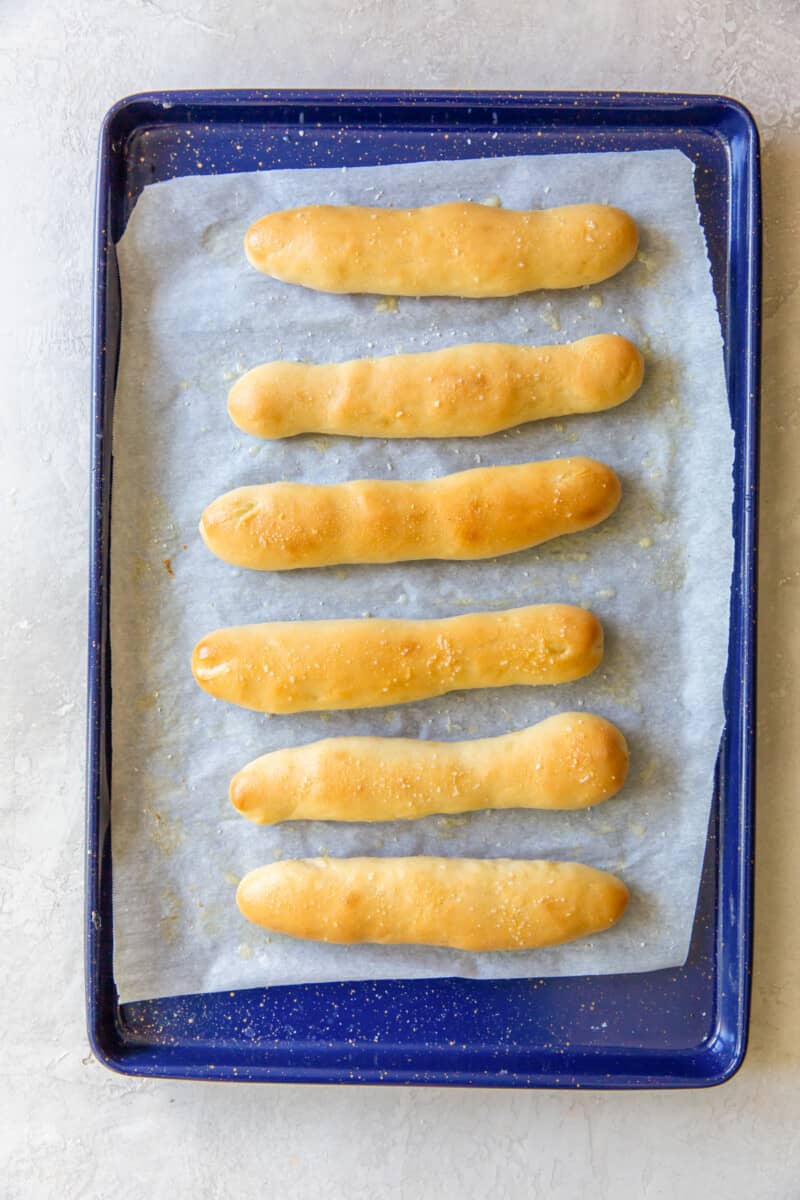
(69, 1128)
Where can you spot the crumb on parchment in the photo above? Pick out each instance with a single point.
(551, 318)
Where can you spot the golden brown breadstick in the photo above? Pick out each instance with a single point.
(469, 515)
(300, 666)
(463, 391)
(456, 249)
(571, 760)
(463, 903)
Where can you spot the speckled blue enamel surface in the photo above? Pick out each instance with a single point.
(674, 1028)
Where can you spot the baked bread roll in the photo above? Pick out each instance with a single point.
(463, 903)
(472, 514)
(463, 391)
(456, 249)
(301, 666)
(571, 760)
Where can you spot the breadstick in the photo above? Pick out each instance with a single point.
(456, 249)
(463, 391)
(472, 514)
(463, 903)
(302, 666)
(571, 760)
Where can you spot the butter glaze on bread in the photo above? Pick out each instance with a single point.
(302, 666)
(462, 903)
(470, 515)
(462, 391)
(568, 761)
(455, 249)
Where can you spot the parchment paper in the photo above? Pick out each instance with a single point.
(195, 315)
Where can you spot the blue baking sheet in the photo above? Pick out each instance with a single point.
(682, 1027)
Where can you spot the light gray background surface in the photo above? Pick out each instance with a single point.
(67, 1127)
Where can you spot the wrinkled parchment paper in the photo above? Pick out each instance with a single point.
(195, 315)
